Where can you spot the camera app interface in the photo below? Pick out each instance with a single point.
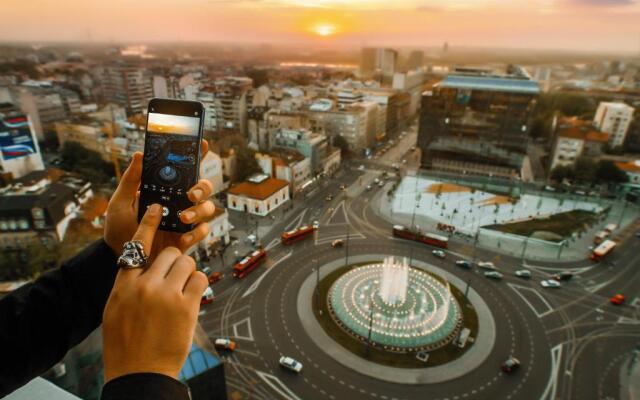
(170, 166)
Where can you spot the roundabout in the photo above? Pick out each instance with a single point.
(394, 306)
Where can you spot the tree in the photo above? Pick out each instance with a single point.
(562, 172)
(86, 162)
(608, 172)
(258, 76)
(585, 170)
(567, 104)
(246, 163)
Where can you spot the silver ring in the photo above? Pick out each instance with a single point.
(133, 255)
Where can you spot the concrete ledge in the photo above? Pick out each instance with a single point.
(472, 359)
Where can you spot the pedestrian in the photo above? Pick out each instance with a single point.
(147, 301)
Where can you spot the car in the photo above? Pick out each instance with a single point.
(549, 188)
(291, 364)
(617, 299)
(439, 253)
(404, 160)
(224, 344)
(337, 243)
(381, 183)
(329, 197)
(215, 277)
(493, 275)
(376, 181)
(486, 265)
(369, 187)
(315, 224)
(252, 239)
(464, 264)
(343, 188)
(361, 168)
(330, 210)
(523, 273)
(564, 276)
(207, 296)
(550, 283)
(207, 271)
(510, 365)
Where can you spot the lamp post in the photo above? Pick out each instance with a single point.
(318, 287)
(370, 327)
(524, 249)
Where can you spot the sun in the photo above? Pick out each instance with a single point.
(324, 29)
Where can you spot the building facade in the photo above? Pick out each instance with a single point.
(226, 104)
(614, 119)
(19, 149)
(128, 85)
(258, 195)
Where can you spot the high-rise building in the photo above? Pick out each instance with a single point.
(128, 85)
(614, 119)
(19, 151)
(225, 104)
(415, 61)
(478, 123)
(378, 62)
(311, 145)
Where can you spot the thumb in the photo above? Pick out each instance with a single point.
(148, 227)
(130, 181)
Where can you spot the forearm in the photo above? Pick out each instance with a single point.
(42, 320)
(144, 386)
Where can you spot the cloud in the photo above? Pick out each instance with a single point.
(429, 8)
(602, 3)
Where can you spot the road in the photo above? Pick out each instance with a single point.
(571, 341)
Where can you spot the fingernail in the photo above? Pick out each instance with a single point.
(154, 209)
(197, 193)
(187, 238)
(189, 215)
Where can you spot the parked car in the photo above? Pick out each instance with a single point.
(549, 188)
(564, 276)
(252, 239)
(617, 299)
(361, 168)
(523, 273)
(224, 344)
(343, 188)
(486, 265)
(550, 283)
(291, 364)
(464, 264)
(369, 187)
(439, 253)
(494, 275)
(329, 197)
(510, 365)
(207, 296)
(337, 243)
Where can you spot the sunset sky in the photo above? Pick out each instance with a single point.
(598, 25)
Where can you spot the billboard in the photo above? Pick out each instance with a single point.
(16, 140)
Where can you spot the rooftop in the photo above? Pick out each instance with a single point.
(575, 128)
(259, 191)
(490, 83)
(630, 166)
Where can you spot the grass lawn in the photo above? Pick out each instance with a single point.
(440, 356)
(562, 224)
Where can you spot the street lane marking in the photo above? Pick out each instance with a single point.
(277, 385)
(255, 284)
(249, 335)
(272, 244)
(626, 320)
(550, 391)
(296, 221)
(539, 314)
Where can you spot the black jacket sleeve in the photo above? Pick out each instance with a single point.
(41, 321)
(144, 386)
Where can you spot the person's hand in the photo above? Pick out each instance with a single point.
(122, 213)
(151, 314)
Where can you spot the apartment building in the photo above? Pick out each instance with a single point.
(614, 118)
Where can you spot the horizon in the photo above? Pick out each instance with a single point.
(582, 26)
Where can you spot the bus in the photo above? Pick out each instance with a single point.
(249, 263)
(297, 234)
(610, 228)
(600, 237)
(602, 250)
(427, 238)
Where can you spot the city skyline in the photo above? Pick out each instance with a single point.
(582, 25)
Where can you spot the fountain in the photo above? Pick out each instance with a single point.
(395, 306)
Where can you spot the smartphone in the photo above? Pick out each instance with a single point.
(171, 163)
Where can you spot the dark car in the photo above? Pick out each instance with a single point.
(565, 276)
(510, 365)
(464, 264)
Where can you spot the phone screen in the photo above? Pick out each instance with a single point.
(170, 165)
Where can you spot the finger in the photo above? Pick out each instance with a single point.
(180, 271)
(195, 286)
(198, 213)
(130, 181)
(148, 226)
(162, 264)
(200, 191)
(204, 147)
(194, 236)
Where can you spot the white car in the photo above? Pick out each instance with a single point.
(291, 364)
(486, 265)
(316, 224)
(376, 181)
(361, 168)
(493, 275)
(523, 273)
(550, 283)
(252, 239)
(439, 253)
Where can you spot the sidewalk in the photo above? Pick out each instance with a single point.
(630, 378)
